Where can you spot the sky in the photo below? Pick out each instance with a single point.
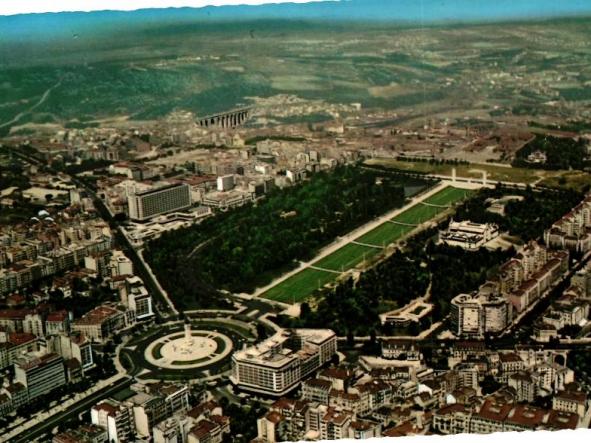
(11, 7)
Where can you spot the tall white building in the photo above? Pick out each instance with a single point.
(484, 311)
(135, 296)
(160, 200)
(120, 264)
(40, 374)
(278, 364)
(225, 182)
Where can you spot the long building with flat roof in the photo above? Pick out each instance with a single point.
(278, 364)
(147, 204)
(40, 374)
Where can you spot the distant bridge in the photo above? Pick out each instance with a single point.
(229, 119)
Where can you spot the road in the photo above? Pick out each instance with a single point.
(42, 100)
(39, 429)
(165, 309)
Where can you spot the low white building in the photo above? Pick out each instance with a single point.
(468, 235)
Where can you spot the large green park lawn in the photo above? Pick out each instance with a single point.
(447, 196)
(384, 234)
(346, 257)
(299, 286)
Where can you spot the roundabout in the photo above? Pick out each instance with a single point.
(188, 350)
(197, 349)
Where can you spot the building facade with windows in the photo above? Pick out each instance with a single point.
(152, 202)
(278, 364)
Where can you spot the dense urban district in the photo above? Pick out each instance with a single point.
(345, 234)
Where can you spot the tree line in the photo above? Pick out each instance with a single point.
(247, 247)
(353, 307)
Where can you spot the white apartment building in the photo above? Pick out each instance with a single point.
(484, 311)
(225, 183)
(278, 364)
(160, 200)
(115, 417)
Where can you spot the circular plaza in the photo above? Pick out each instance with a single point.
(189, 349)
(201, 349)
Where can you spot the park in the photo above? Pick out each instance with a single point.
(303, 284)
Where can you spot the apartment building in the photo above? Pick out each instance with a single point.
(147, 204)
(100, 323)
(484, 311)
(40, 374)
(573, 230)
(570, 401)
(278, 364)
(116, 418)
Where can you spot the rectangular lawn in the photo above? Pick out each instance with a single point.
(384, 234)
(346, 257)
(418, 214)
(299, 286)
(447, 196)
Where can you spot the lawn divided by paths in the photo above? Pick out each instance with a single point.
(300, 285)
(346, 257)
(418, 214)
(447, 196)
(384, 234)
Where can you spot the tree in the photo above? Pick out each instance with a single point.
(489, 385)
(261, 331)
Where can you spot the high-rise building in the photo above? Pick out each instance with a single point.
(160, 200)
(225, 182)
(40, 374)
(482, 312)
(135, 296)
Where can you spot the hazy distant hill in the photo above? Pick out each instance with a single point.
(65, 25)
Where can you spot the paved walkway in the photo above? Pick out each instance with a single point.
(140, 254)
(369, 245)
(436, 206)
(404, 224)
(318, 268)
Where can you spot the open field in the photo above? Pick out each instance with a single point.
(299, 286)
(346, 257)
(302, 284)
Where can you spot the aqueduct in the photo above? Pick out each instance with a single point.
(229, 119)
